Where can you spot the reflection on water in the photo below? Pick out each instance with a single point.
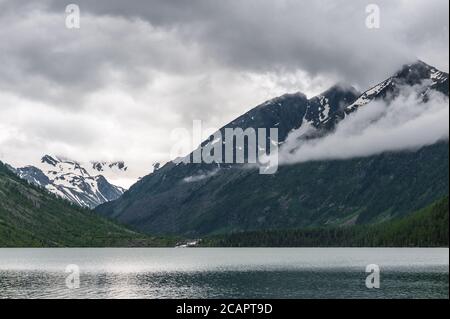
(223, 273)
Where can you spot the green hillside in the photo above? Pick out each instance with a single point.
(31, 217)
(425, 228)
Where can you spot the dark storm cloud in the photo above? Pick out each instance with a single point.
(317, 36)
(324, 38)
(40, 58)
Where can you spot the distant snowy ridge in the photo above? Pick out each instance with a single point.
(70, 180)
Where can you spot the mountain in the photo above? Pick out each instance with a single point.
(202, 199)
(70, 180)
(33, 217)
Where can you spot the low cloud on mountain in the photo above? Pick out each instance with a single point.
(407, 123)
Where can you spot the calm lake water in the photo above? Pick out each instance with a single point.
(224, 273)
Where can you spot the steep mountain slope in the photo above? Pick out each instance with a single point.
(69, 180)
(198, 199)
(311, 194)
(32, 217)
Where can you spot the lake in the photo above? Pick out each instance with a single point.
(223, 273)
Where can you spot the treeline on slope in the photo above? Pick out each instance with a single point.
(32, 217)
(425, 228)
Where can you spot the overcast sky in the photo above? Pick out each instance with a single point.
(135, 70)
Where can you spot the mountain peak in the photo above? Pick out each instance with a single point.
(325, 109)
(340, 87)
(47, 159)
(418, 71)
(409, 75)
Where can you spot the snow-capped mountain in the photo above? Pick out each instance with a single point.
(70, 180)
(411, 74)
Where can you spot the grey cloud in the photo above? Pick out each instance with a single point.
(322, 37)
(41, 59)
(199, 177)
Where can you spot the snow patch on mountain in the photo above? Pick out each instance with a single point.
(369, 95)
